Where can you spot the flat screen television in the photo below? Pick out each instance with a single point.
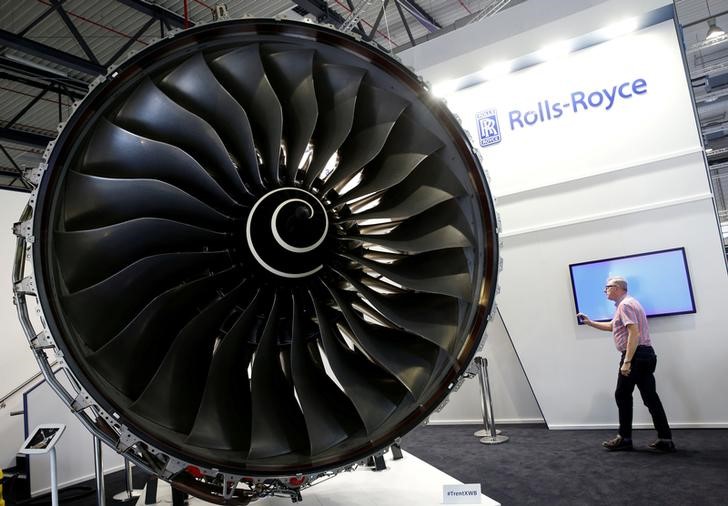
(659, 280)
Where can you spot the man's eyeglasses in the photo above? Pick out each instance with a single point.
(609, 286)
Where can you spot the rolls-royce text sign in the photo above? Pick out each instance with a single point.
(617, 104)
(553, 108)
(468, 493)
(578, 101)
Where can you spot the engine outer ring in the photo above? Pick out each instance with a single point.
(44, 200)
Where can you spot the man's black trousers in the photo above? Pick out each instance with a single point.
(642, 376)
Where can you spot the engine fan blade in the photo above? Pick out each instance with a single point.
(172, 397)
(407, 357)
(377, 111)
(94, 202)
(118, 247)
(374, 392)
(224, 419)
(114, 152)
(408, 144)
(330, 415)
(432, 316)
(150, 113)
(241, 72)
(193, 86)
(440, 227)
(429, 184)
(129, 359)
(442, 271)
(291, 75)
(337, 87)
(278, 426)
(140, 282)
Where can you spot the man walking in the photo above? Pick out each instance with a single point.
(636, 367)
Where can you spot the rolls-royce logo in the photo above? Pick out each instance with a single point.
(488, 127)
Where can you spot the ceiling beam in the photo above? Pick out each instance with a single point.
(50, 10)
(10, 159)
(74, 95)
(420, 15)
(157, 12)
(74, 31)
(8, 172)
(25, 138)
(321, 10)
(36, 73)
(27, 107)
(14, 182)
(13, 174)
(356, 13)
(703, 20)
(50, 53)
(404, 22)
(324, 14)
(457, 24)
(379, 20)
(123, 49)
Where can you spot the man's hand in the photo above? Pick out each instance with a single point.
(625, 369)
(591, 323)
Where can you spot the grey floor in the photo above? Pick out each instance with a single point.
(543, 467)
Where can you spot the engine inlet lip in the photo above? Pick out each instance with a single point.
(133, 70)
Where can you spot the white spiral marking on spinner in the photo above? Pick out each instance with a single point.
(279, 239)
(282, 242)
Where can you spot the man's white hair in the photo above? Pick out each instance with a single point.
(618, 281)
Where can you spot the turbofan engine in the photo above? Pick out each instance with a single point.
(262, 252)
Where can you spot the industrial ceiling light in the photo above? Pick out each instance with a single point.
(495, 70)
(554, 51)
(620, 28)
(264, 253)
(714, 31)
(445, 88)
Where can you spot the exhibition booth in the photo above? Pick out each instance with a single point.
(593, 152)
(582, 116)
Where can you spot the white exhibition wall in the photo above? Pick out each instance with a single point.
(595, 155)
(16, 360)
(513, 400)
(17, 364)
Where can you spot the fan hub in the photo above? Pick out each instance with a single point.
(285, 230)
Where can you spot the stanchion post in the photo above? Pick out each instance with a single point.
(99, 465)
(488, 417)
(129, 479)
(485, 431)
(129, 494)
(54, 477)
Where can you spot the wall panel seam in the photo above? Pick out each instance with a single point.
(610, 214)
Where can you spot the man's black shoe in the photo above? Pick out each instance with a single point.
(663, 446)
(618, 443)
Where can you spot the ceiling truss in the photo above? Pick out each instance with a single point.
(24, 76)
(47, 82)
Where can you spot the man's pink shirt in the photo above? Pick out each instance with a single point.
(629, 310)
